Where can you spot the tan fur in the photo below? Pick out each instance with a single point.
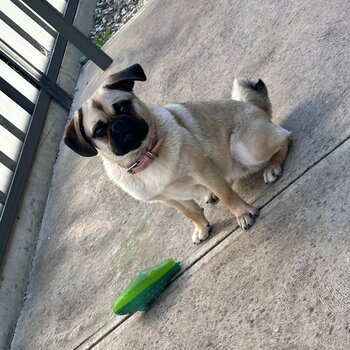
(207, 146)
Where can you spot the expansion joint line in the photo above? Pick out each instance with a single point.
(211, 248)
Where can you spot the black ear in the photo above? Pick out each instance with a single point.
(125, 79)
(75, 137)
(260, 87)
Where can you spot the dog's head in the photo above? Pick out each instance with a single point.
(113, 121)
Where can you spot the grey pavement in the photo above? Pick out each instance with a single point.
(14, 274)
(282, 285)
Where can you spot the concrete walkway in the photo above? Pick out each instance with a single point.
(282, 285)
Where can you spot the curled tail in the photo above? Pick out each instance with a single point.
(248, 91)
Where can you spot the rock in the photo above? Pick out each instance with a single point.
(113, 14)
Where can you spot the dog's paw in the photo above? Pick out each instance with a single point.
(247, 220)
(200, 235)
(211, 198)
(272, 173)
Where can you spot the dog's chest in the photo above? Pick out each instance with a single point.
(146, 185)
(156, 183)
(185, 188)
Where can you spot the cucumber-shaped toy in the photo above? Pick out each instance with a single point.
(146, 286)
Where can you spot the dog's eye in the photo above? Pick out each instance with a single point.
(123, 107)
(100, 131)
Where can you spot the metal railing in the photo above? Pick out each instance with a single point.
(59, 26)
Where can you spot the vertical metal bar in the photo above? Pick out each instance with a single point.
(12, 128)
(35, 18)
(25, 160)
(24, 164)
(12, 57)
(16, 96)
(7, 161)
(2, 198)
(54, 18)
(23, 34)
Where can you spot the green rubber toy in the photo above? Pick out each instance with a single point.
(146, 286)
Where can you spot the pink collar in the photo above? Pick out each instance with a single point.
(148, 156)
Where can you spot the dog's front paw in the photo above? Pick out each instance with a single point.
(272, 173)
(200, 234)
(247, 220)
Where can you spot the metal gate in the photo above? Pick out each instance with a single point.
(28, 72)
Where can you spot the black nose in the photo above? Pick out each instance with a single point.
(130, 140)
(118, 126)
(126, 133)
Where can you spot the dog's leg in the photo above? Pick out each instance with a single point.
(214, 181)
(264, 144)
(211, 198)
(273, 170)
(194, 212)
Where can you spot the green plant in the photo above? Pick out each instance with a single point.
(102, 37)
(99, 40)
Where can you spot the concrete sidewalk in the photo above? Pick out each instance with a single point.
(282, 285)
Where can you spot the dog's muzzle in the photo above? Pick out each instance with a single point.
(126, 133)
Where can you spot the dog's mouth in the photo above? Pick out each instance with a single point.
(126, 133)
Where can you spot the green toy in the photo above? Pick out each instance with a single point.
(145, 287)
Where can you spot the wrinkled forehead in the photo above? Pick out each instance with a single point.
(107, 97)
(99, 107)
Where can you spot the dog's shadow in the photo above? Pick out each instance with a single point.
(310, 115)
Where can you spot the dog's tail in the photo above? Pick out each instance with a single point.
(256, 93)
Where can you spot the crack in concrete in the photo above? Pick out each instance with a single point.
(211, 248)
(104, 335)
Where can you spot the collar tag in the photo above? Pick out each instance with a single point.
(147, 158)
(131, 170)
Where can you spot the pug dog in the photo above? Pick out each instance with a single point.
(181, 152)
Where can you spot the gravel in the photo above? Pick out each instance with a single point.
(111, 15)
